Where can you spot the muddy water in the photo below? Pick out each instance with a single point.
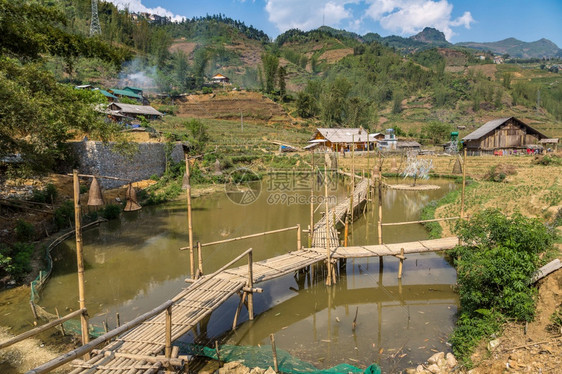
(134, 264)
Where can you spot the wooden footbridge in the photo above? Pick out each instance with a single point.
(144, 345)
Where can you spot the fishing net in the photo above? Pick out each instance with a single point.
(262, 357)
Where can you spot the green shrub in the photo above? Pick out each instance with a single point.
(549, 160)
(64, 214)
(499, 172)
(47, 195)
(15, 260)
(24, 231)
(494, 267)
(111, 211)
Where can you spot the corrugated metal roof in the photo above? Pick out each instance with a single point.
(344, 135)
(492, 125)
(486, 128)
(136, 109)
(107, 94)
(125, 93)
(407, 144)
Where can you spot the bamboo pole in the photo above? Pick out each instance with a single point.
(274, 349)
(81, 351)
(200, 258)
(251, 286)
(311, 234)
(420, 221)
(40, 329)
(80, 260)
(463, 182)
(242, 302)
(299, 234)
(168, 349)
(327, 235)
(401, 264)
(380, 214)
(61, 325)
(244, 237)
(218, 353)
(118, 319)
(189, 216)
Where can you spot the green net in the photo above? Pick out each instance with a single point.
(262, 357)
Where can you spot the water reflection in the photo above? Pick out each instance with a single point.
(134, 264)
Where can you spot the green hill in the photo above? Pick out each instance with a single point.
(515, 48)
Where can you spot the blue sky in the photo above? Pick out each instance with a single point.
(460, 20)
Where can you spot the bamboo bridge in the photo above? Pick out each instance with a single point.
(144, 345)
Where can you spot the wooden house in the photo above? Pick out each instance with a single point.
(341, 139)
(220, 79)
(135, 111)
(501, 135)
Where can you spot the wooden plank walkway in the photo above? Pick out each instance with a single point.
(201, 298)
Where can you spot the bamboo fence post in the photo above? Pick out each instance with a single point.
(80, 260)
(105, 328)
(200, 258)
(326, 237)
(400, 266)
(299, 233)
(61, 325)
(380, 214)
(274, 349)
(168, 349)
(251, 286)
(118, 319)
(189, 216)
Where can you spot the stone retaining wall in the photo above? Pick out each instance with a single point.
(102, 159)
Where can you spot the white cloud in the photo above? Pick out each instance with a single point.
(411, 16)
(137, 6)
(306, 14)
(398, 16)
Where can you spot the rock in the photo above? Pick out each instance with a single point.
(433, 368)
(233, 367)
(493, 344)
(420, 369)
(442, 363)
(257, 370)
(270, 371)
(411, 371)
(436, 357)
(451, 360)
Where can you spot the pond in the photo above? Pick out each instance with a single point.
(134, 264)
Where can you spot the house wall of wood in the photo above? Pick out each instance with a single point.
(510, 135)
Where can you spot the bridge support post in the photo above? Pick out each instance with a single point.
(168, 349)
(327, 234)
(80, 261)
(299, 235)
(200, 260)
(251, 286)
(380, 214)
(400, 266)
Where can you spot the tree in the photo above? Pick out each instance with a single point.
(282, 74)
(38, 115)
(270, 64)
(181, 69)
(306, 105)
(198, 135)
(437, 131)
(397, 97)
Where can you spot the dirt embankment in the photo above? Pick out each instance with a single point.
(230, 105)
